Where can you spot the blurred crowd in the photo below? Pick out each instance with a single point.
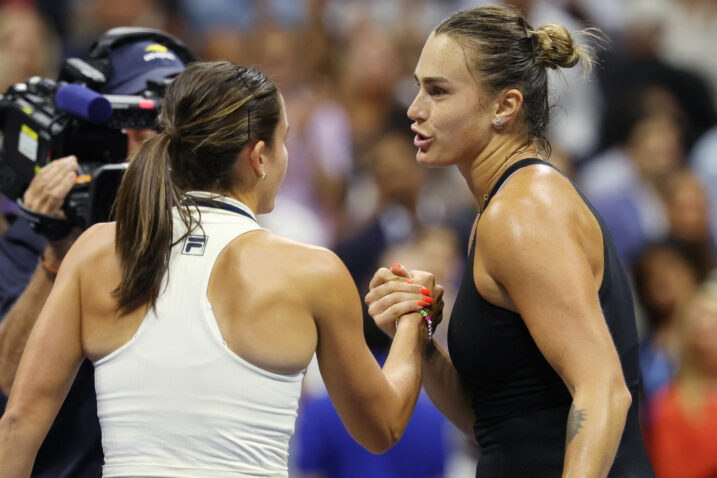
(638, 135)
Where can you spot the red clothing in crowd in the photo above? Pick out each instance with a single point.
(680, 446)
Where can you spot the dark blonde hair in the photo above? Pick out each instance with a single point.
(506, 52)
(210, 112)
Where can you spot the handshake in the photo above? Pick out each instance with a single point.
(396, 293)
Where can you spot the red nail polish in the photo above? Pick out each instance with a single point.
(421, 303)
(409, 282)
(395, 264)
(425, 291)
(428, 299)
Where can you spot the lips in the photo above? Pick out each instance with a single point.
(421, 141)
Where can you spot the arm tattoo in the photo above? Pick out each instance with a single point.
(575, 419)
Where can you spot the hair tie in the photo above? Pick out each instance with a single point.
(530, 38)
(172, 132)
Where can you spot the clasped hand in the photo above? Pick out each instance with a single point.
(396, 292)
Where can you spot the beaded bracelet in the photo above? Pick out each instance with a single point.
(427, 318)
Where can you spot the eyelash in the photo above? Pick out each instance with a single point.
(435, 91)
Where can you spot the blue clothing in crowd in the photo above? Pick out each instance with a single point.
(326, 448)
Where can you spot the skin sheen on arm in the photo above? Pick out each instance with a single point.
(374, 404)
(537, 254)
(440, 378)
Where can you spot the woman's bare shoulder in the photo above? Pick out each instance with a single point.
(294, 258)
(93, 247)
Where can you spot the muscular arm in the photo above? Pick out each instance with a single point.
(538, 252)
(19, 320)
(447, 391)
(374, 404)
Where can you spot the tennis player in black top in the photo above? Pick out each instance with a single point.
(543, 365)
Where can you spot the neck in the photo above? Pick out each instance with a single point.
(485, 170)
(249, 198)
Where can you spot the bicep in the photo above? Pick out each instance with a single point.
(549, 279)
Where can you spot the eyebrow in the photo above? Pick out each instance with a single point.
(431, 79)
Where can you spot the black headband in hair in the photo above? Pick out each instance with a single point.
(239, 73)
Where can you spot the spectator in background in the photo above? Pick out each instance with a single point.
(688, 216)
(28, 45)
(370, 68)
(635, 63)
(663, 275)
(682, 428)
(623, 182)
(326, 450)
(703, 161)
(399, 183)
(688, 37)
(320, 140)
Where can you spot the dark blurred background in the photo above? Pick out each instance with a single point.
(638, 135)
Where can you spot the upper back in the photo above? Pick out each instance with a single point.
(212, 374)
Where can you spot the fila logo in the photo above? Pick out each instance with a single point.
(194, 245)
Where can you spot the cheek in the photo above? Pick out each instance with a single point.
(462, 136)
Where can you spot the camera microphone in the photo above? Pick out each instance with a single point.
(83, 102)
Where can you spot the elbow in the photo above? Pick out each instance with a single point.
(621, 397)
(382, 439)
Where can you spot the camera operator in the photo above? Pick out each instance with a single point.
(29, 262)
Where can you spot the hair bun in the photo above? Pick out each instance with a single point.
(555, 47)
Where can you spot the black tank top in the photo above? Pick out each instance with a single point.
(520, 403)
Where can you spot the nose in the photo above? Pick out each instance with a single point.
(417, 110)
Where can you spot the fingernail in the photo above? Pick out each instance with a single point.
(425, 291)
(409, 282)
(395, 265)
(421, 303)
(428, 299)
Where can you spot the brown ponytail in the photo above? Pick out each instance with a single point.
(208, 113)
(144, 222)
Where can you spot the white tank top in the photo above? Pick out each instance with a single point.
(175, 401)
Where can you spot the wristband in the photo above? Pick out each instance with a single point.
(51, 228)
(50, 270)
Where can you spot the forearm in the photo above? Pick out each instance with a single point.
(17, 324)
(594, 428)
(403, 371)
(17, 450)
(446, 389)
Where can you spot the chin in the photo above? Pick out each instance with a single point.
(429, 159)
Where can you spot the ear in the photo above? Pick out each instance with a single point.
(507, 107)
(256, 158)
